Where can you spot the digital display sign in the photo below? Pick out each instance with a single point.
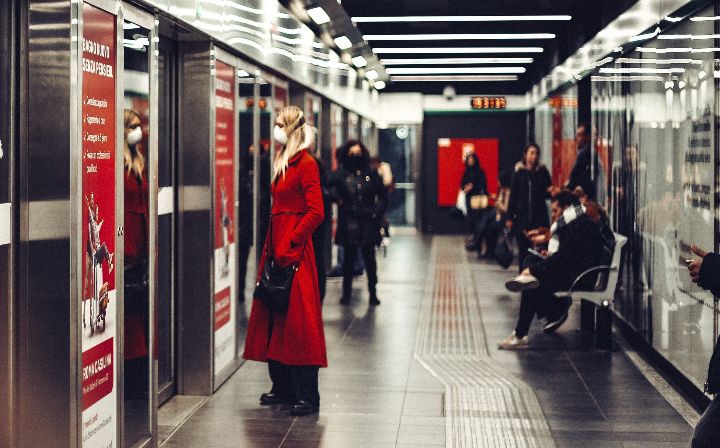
(488, 102)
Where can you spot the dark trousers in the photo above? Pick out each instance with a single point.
(492, 233)
(541, 300)
(243, 255)
(523, 245)
(368, 254)
(707, 431)
(295, 382)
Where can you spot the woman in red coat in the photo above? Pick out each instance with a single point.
(293, 345)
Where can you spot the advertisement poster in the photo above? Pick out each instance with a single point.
(225, 255)
(99, 388)
(451, 165)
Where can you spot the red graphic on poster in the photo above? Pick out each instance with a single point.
(97, 372)
(451, 165)
(564, 151)
(222, 308)
(224, 158)
(98, 165)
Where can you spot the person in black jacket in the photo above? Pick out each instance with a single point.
(527, 209)
(575, 246)
(706, 273)
(473, 183)
(362, 200)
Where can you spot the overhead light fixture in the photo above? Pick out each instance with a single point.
(459, 19)
(688, 36)
(659, 61)
(452, 70)
(676, 50)
(486, 36)
(372, 74)
(704, 19)
(454, 78)
(318, 15)
(359, 61)
(458, 50)
(626, 78)
(642, 71)
(431, 61)
(242, 73)
(342, 42)
(379, 85)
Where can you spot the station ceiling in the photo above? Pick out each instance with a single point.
(476, 46)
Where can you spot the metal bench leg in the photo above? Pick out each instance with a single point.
(587, 315)
(603, 338)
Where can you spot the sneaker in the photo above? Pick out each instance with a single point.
(521, 283)
(512, 342)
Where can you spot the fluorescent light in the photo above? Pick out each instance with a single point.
(458, 50)
(359, 61)
(659, 61)
(372, 74)
(379, 85)
(458, 19)
(429, 61)
(626, 78)
(642, 71)
(455, 78)
(688, 36)
(452, 70)
(676, 50)
(491, 36)
(343, 42)
(318, 15)
(704, 19)
(242, 73)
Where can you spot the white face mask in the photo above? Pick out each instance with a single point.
(134, 136)
(280, 135)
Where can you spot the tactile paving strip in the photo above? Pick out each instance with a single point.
(486, 406)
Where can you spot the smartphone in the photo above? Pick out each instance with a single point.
(534, 252)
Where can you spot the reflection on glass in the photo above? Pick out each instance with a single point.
(136, 318)
(655, 117)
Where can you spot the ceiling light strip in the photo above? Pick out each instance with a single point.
(460, 19)
(430, 61)
(452, 70)
(454, 78)
(458, 50)
(484, 36)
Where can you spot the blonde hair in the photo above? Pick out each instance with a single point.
(134, 160)
(294, 121)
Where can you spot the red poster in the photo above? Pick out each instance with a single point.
(451, 165)
(224, 156)
(97, 372)
(98, 165)
(222, 308)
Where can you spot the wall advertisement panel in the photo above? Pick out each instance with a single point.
(99, 347)
(224, 210)
(659, 132)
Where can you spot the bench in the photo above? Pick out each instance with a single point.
(600, 320)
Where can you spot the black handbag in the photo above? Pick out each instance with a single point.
(503, 251)
(273, 288)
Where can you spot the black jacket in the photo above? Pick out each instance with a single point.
(362, 200)
(528, 192)
(581, 247)
(580, 175)
(476, 176)
(710, 280)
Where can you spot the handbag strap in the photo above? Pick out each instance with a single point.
(268, 254)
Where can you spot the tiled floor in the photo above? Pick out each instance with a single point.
(376, 394)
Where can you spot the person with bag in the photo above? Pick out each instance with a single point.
(474, 185)
(291, 342)
(362, 200)
(705, 271)
(497, 237)
(527, 209)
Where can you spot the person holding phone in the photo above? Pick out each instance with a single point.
(705, 271)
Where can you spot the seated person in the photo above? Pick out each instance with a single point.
(574, 246)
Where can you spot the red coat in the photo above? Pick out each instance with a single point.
(298, 338)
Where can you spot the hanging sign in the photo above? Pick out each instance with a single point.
(225, 247)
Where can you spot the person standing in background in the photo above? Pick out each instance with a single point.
(527, 206)
(473, 183)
